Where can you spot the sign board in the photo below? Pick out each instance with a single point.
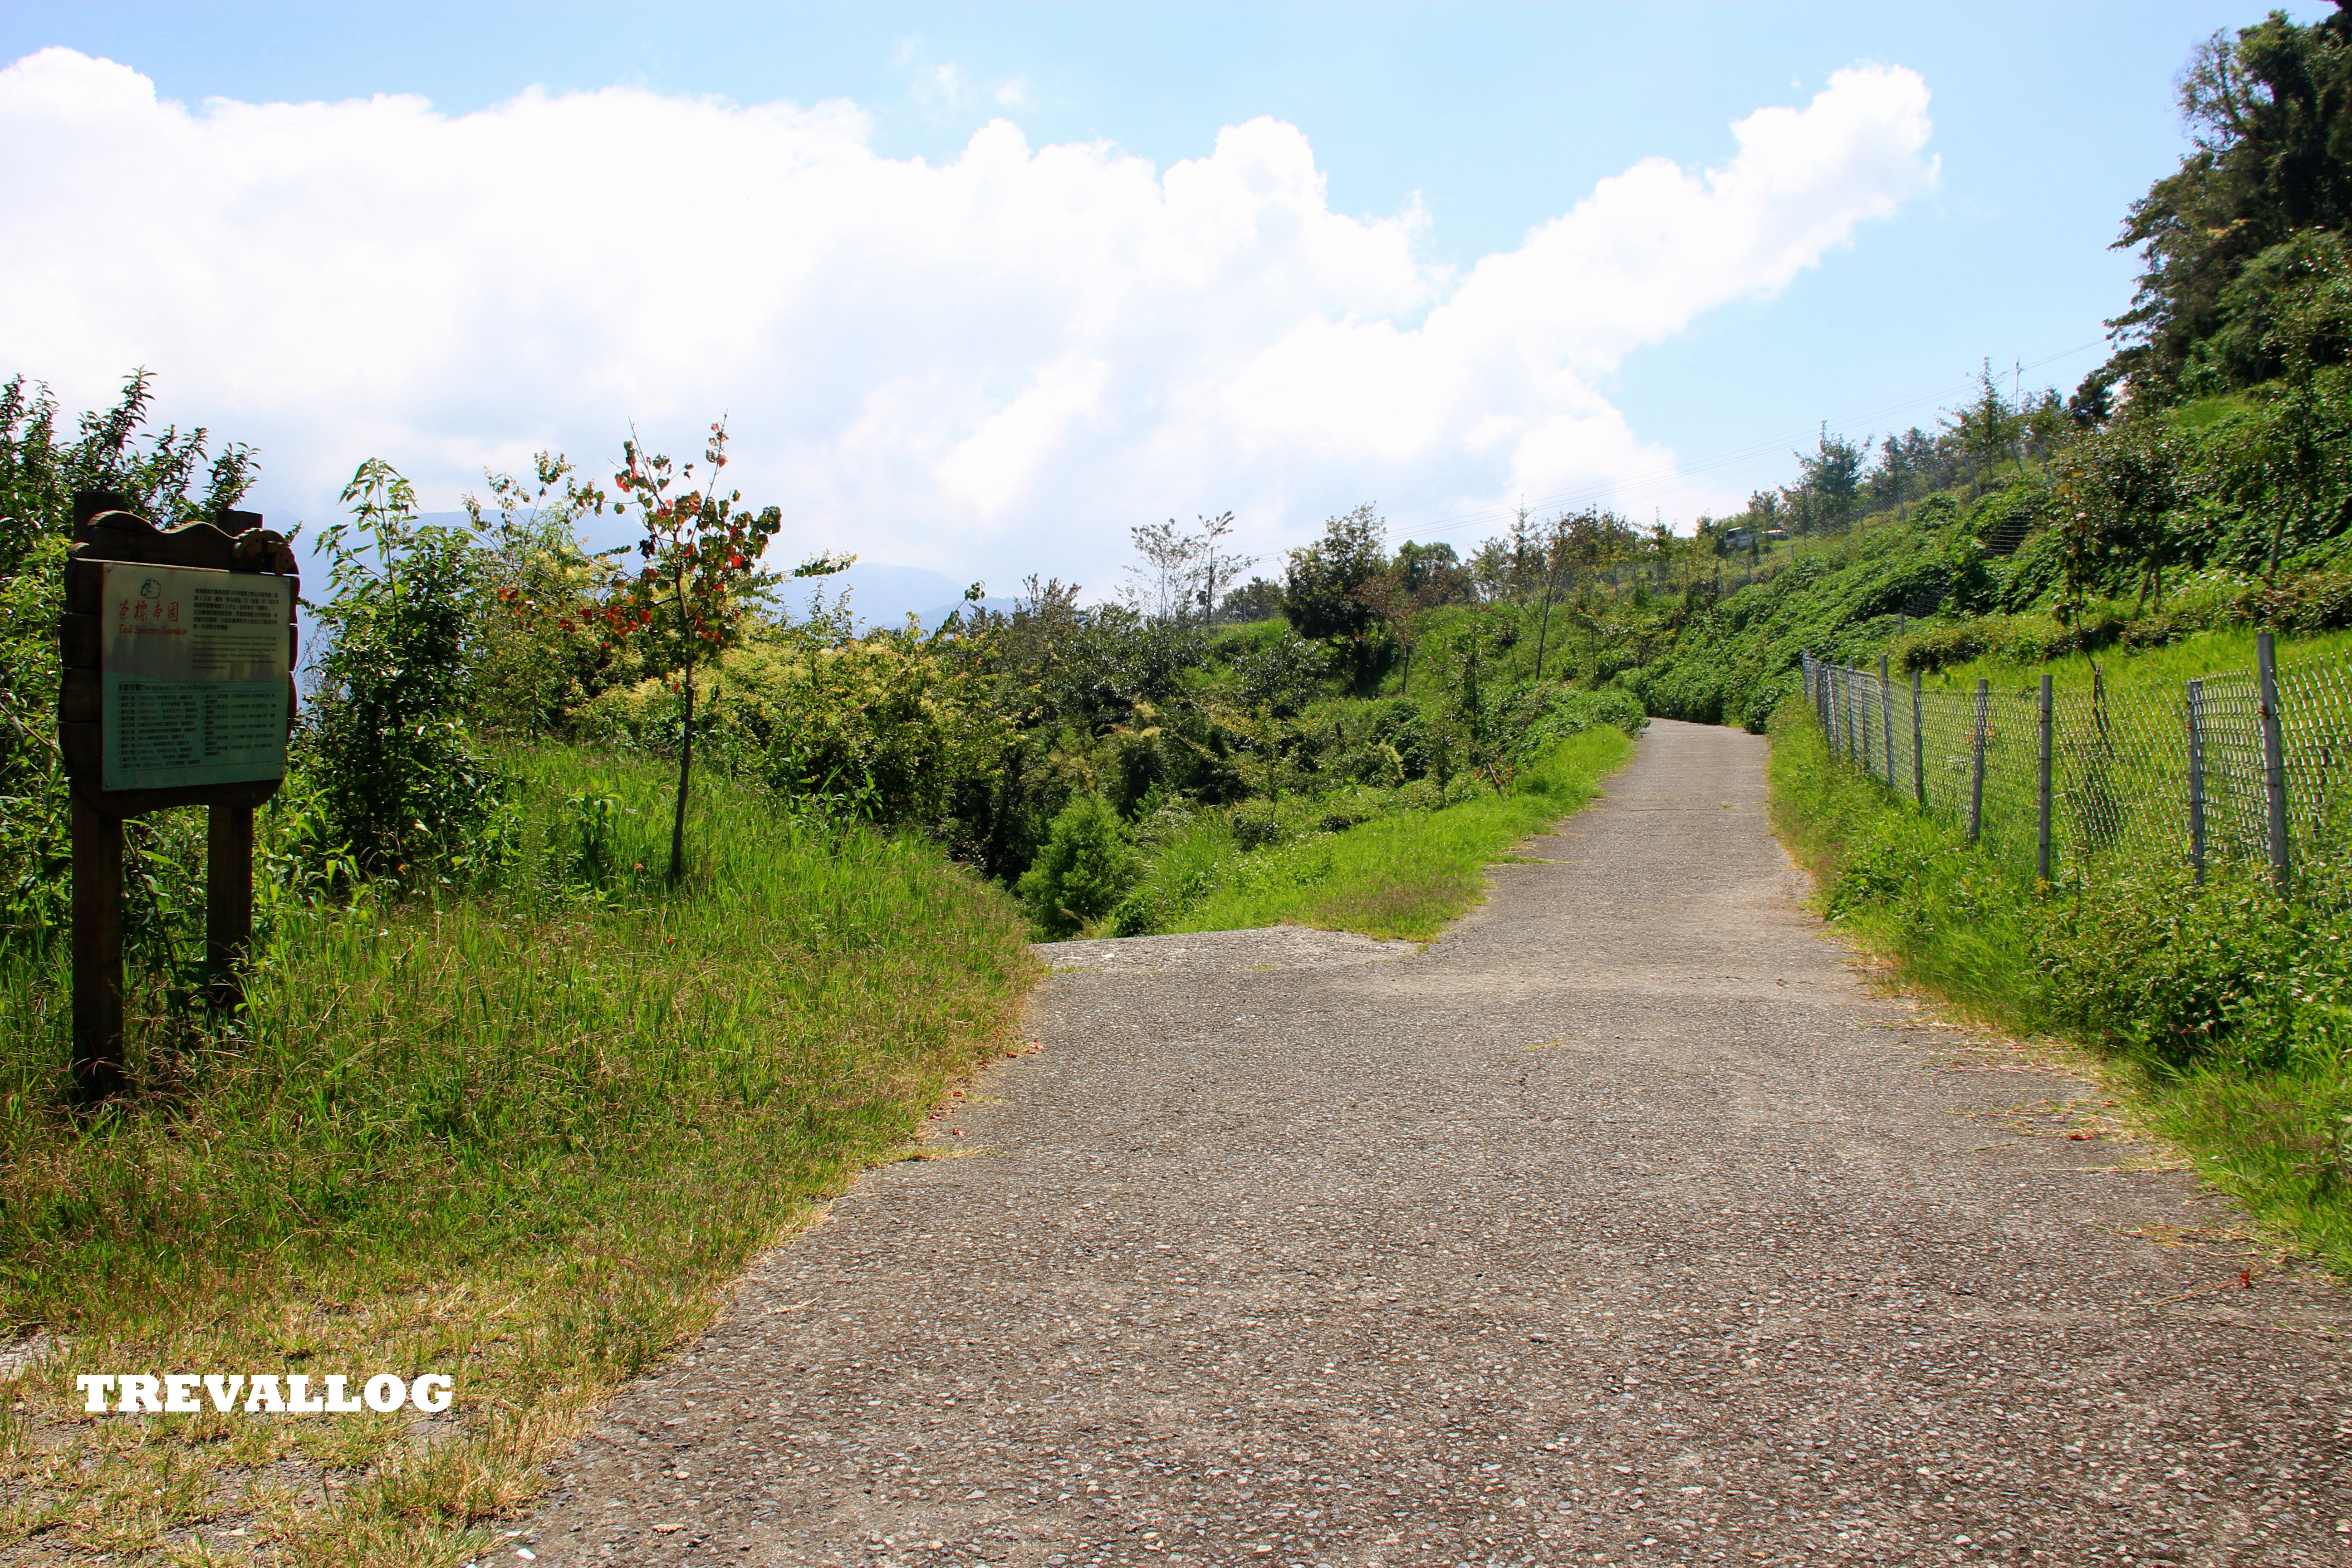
(194, 665)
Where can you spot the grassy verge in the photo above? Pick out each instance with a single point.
(1405, 874)
(2215, 652)
(2223, 1014)
(519, 1139)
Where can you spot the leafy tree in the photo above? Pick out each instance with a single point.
(2293, 301)
(1823, 499)
(1259, 599)
(1322, 587)
(1986, 428)
(2115, 491)
(2270, 113)
(700, 576)
(1182, 573)
(540, 657)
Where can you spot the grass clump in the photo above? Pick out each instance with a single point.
(2222, 1011)
(519, 1138)
(1404, 867)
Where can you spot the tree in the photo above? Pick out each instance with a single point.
(2115, 489)
(1321, 586)
(700, 575)
(1259, 599)
(1986, 428)
(1823, 498)
(2270, 114)
(1183, 573)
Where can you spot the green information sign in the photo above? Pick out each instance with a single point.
(194, 669)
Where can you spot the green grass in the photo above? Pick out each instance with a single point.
(521, 1138)
(2218, 652)
(2220, 1016)
(1403, 875)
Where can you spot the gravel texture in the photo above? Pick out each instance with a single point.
(1626, 1224)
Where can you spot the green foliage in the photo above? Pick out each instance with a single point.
(2230, 1010)
(387, 741)
(1083, 870)
(168, 476)
(2270, 112)
(1321, 586)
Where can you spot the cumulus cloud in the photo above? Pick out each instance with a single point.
(994, 362)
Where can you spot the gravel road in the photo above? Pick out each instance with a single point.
(1623, 1225)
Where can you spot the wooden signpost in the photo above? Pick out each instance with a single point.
(178, 648)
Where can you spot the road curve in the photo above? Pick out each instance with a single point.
(1625, 1224)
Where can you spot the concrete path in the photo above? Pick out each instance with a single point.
(1625, 1225)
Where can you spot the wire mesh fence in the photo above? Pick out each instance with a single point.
(2245, 773)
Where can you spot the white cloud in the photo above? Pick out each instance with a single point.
(992, 363)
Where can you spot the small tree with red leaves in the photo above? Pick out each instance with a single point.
(699, 577)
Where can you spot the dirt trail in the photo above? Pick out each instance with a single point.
(1622, 1225)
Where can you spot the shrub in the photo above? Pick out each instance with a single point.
(387, 746)
(1083, 870)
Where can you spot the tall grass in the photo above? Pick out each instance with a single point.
(518, 1138)
(2224, 1013)
(2217, 652)
(1405, 875)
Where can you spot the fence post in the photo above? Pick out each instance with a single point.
(1976, 789)
(2274, 756)
(1867, 753)
(2041, 813)
(2197, 780)
(1886, 718)
(1919, 745)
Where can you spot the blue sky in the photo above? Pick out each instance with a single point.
(1988, 239)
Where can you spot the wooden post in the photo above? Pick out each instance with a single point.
(228, 898)
(97, 946)
(2274, 757)
(1976, 789)
(2041, 810)
(2197, 780)
(1918, 746)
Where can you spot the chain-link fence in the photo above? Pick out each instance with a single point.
(2250, 770)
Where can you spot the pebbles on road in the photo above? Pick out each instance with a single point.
(1623, 1224)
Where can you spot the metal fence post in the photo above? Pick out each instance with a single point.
(1886, 718)
(2197, 780)
(2274, 756)
(2041, 813)
(1867, 753)
(1976, 789)
(1919, 745)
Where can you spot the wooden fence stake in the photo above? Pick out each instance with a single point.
(2197, 780)
(2274, 757)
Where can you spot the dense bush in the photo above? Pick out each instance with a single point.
(386, 745)
(1083, 870)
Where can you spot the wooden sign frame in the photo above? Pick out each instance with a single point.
(105, 529)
